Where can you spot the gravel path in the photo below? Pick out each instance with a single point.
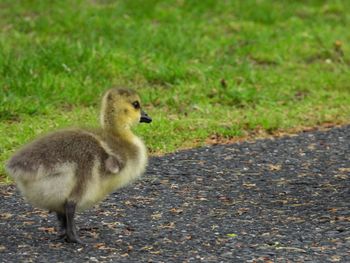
(281, 200)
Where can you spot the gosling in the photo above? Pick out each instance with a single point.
(72, 170)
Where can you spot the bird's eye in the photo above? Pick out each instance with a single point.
(136, 104)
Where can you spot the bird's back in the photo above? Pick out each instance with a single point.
(67, 146)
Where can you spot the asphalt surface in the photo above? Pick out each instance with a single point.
(275, 200)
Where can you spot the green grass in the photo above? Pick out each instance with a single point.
(205, 67)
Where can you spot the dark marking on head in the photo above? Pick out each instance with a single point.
(126, 92)
(109, 97)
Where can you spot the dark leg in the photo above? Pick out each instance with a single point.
(62, 221)
(71, 232)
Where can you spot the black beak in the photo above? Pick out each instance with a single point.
(145, 117)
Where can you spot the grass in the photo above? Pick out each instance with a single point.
(203, 68)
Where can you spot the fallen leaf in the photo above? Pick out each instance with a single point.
(6, 216)
(241, 211)
(127, 202)
(156, 216)
(22, 246)
(224, 198)
(170, 225)
(47, 229)
(55, 245)
(176, 210)
(333, 210)
(174, 186)
(311, 146)
(94, 234)
(147, 248)
(100, 245)
(335, 258)
(343, 218)
(249, 186)
(341, 176)
(201, 198)
(275, 167)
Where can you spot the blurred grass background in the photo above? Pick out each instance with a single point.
(206, 70)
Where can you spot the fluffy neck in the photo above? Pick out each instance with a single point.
(110, 126)
(119, 131)
(108, 123)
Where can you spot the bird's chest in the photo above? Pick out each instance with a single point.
(101, 185)
(133, 169)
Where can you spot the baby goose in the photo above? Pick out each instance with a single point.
(73, 169)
